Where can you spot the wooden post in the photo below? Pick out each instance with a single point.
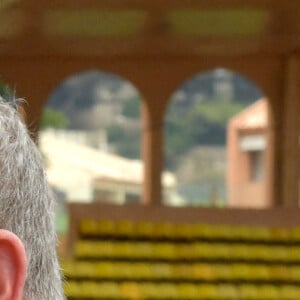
(290, 134)
(273, 156)
(152, 155)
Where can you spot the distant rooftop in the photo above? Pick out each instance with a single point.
(253, 117)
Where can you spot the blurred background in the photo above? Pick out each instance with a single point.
(172, 104)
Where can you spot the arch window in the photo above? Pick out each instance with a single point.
(216, 142)
(90, 135)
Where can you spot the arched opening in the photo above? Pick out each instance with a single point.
(216, 142)
(90, 134)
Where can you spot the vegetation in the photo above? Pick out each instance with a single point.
(132, 108)
(124, 137)
(5, 91)
(200, 123)
(126, 142)
(198, 119)
(53, 118)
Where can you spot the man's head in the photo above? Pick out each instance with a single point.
(28, 264)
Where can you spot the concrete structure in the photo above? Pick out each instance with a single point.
(247, 148)
(157, 45)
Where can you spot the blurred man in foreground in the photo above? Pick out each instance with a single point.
(29, 268)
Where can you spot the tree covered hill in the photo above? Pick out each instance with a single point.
(197, 115)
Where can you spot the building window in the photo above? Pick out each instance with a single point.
(131, 197)
(104, 196)
(256, 166)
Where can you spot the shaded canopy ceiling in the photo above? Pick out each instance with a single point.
(86, 27)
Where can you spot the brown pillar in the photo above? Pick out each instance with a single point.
(273, 154)
(290, 134)
(152, 155)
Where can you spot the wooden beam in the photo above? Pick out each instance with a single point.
(152, 155)
(144, 45)
(161, 5)
(8, 3)
(290, 133)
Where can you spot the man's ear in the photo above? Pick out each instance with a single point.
(12, 266)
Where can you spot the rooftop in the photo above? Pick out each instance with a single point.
(253, 117)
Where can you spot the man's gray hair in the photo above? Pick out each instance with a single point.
(26, 206)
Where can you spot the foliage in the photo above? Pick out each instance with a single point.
(131, 108)
(54, 119)
(126, 141)
(198, 123)
(5, 92)
(187, 126)
(217, 111)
